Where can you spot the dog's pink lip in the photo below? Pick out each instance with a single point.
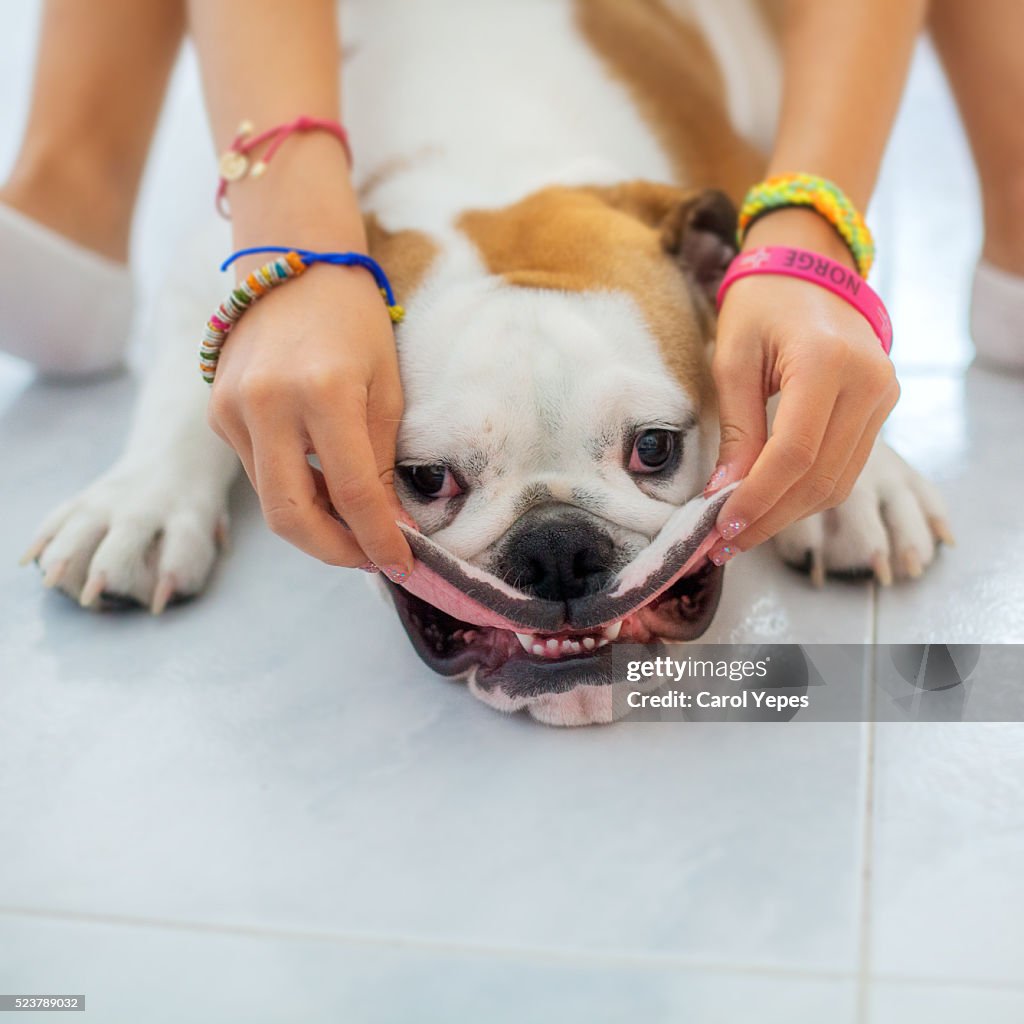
(470, 594)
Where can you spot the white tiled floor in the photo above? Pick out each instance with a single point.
(261, 807)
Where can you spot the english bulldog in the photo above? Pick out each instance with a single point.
(550, 186)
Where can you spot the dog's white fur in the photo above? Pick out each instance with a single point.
(457, 122)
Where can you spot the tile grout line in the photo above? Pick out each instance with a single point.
(581, 957)
(868, 831)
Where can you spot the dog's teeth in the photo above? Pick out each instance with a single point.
(469, 636)
(601, 642)
(552, 645)
(538, 649)
(575, 647)
(526, 639)
(588, 643)
(612, 632)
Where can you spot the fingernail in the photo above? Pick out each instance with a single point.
(395, 573)
(722, 555)
(408, 520)
(732, 528)
(369, 567)
(717, 479)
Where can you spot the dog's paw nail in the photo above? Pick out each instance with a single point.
(93, 588)
(882, 569)
(817, 563)
(55, 573)
(33, 551)
(911, 563)
(941, 530)
(166, 587)
(222, 533)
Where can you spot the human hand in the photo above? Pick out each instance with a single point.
(312, 368)
(836, 387)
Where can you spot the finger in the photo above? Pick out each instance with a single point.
(294, 508)
(862, 452)
(806, 403)
(739, 380)
(816, 490)
(843, 431)
(384, 414)
(360, 488)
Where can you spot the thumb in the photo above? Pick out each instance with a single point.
(742, 417)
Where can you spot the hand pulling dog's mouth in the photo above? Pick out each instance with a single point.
(519, 649)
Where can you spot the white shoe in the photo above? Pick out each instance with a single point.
(63, 308)
(997, 317)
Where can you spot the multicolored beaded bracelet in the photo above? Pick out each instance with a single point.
(292, 263)
(820, 194)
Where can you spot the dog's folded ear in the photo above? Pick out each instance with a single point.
(697, 226)
(701, 233)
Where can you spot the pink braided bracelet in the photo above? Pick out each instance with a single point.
(819, 270)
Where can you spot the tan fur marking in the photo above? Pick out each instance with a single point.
(672, 76)
(601, 239)
(405, 255)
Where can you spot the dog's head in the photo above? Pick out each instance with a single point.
(559, 415)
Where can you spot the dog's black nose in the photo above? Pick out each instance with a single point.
(557, 555)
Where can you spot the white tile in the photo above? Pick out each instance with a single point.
(276, 755)
(765, 601)
(960, 431)
(131, 974)
(947, 896)
(904, 1003)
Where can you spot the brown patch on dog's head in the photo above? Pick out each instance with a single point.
(406, 255)
(665, 247)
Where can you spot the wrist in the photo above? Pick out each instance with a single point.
(305, 198)
(801, 228)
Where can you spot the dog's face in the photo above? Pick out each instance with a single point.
(559, 412)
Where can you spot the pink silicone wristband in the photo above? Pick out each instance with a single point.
(819, 270)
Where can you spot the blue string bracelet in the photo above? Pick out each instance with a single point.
(290, 263)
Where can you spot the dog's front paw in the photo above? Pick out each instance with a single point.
(890, 526)
(142, 535)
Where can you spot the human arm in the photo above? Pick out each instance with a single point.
(312, 367)
(844, 71)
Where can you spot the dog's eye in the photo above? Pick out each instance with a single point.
(433, 481)
(652, 451)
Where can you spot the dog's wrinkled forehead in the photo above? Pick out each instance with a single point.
(536, 376)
